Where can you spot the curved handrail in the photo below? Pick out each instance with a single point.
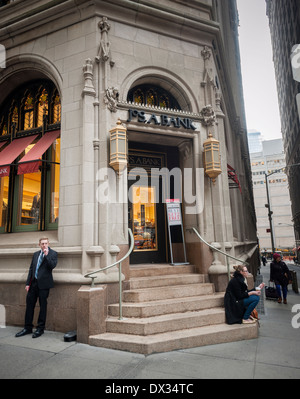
(119, 262)
(218, 250)
(88, 275)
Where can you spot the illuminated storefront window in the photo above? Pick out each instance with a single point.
(4, 182)
(29, 181)
(144, 219)
(54, 183)
(29, 200)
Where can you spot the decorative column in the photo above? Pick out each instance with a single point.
(87, 172)
(217, 209)
(111, 215)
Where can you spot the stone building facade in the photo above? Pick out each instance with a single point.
(169, 71)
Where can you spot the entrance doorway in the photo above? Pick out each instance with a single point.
(146, 218)
(146, 205)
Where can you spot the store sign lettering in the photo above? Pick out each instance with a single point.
(3, 171)
(160, 120)
(143, 161)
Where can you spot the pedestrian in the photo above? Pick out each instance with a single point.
(38, 284)
(281, 276)
(239, 301)
(264, 260)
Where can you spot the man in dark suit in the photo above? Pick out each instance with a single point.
(38, 284)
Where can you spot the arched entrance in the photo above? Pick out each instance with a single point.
(30, 116)
(154, 166)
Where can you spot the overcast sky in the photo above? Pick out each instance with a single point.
(260, 93)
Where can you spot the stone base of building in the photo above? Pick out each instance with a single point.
(67, 305)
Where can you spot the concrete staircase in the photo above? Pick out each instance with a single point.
(169, 308)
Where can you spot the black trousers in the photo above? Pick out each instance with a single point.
(33, 294)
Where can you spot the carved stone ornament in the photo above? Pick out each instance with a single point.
(111, 98)
(206, 53)
(88, 77)
(207, 116)
(104, 48)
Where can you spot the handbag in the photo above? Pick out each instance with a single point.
(271, 292)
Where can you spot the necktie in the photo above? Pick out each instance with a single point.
(40, 260)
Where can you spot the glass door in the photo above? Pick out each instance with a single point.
(147, 221)
(144, 219)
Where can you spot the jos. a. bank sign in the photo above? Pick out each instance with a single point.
(160, 120)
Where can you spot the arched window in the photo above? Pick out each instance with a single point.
(30, 158)
(152, 96)
(42, 107)
(56, 108)
(28, 112)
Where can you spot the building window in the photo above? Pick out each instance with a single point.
(29, 181)
(152, 96)
(42, 107)
(28, 112)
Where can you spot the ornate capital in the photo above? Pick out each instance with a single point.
(208, 116)
(111, 98)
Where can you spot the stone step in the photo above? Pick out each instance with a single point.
(168, 280)
(176, 291)
(175, 305)
(165, 323)
(182, 339)
(159, 270)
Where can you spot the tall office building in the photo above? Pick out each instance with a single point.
(254, 141)
(270, 162)
(284, 21)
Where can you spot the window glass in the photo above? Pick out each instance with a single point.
(54, 184)
(152, 96)
(56, 109)
(4, 186)
(29, 199)
(42, 107)
(28, 113)
(144, 219)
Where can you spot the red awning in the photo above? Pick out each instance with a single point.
(12, 151)
(31, 161)
(233, 177)
(2, 143)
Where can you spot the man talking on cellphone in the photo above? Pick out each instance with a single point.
(38, 284)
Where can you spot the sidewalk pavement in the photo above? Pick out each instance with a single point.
(274, 355)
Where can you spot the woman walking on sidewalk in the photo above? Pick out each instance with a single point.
(239, 301)
(281, 276)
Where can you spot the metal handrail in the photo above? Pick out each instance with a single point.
(221, 252)
(119, 262)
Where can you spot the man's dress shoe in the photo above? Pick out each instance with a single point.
(25, 331)
(37, 333)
